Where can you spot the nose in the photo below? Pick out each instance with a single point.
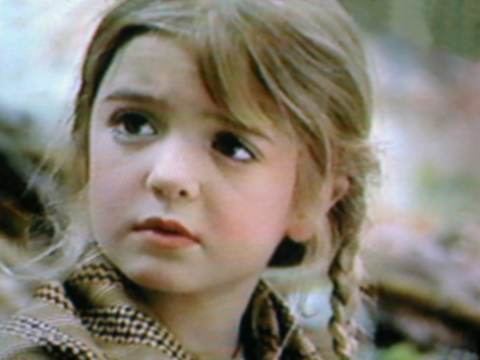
(172, 175)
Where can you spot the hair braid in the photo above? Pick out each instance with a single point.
(347, 217)
(342, 298)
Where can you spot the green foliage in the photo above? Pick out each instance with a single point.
(403, 351)
(372, 14)
(455, 25)
(448, 194)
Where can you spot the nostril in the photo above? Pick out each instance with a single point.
(183, 193)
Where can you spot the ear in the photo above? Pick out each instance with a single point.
(339, 187)
(306, 218)
(301, 228)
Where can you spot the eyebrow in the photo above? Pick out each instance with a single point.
(140, 97)
(240, 126)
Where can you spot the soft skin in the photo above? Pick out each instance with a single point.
(159, 147)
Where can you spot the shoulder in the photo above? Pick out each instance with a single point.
(49, 326)
(15, 347)
(271, 331)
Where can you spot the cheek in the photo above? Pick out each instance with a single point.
(274, 190)
(102, 173)
(111, 171)
(258, 208)
(108, 187)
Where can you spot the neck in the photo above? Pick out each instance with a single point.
(207, 324)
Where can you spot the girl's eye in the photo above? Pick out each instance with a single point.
(229, 145)
(132, 124)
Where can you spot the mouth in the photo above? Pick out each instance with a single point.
(166, 229)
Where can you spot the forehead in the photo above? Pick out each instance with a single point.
(150, 52)
(157, 66)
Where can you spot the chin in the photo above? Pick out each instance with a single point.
(163, 281)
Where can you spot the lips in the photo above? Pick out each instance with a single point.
(167, 228)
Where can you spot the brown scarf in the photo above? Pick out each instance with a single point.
(90, 316)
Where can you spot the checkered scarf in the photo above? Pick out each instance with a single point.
(90, 316)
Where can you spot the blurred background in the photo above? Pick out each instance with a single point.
(422, 241)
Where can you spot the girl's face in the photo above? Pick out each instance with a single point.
(182, 199)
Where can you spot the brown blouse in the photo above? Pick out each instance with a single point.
(90, 316)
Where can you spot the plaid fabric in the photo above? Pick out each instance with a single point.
(90, 316)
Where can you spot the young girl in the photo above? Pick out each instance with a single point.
(212, 139)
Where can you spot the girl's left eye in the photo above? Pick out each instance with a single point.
(132, 124)
(229, 145)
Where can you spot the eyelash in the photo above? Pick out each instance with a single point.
(227, 143)
(121, 125)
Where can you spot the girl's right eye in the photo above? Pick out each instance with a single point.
(132, 125)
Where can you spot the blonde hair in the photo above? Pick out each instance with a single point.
(305, 56)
